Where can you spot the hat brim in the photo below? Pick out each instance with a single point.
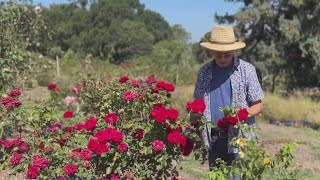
(223, 47)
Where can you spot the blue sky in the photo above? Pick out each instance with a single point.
(197, 17)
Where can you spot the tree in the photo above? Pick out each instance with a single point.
(282, 39)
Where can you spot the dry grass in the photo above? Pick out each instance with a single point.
(292, 108)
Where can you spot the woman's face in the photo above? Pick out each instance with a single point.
(223, 59)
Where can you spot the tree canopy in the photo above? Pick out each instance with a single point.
(282, 37)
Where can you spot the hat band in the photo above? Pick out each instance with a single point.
(224, 43)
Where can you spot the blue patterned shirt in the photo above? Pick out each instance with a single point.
(245, 88)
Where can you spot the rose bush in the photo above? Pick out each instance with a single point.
(121, 129)
(253, 161)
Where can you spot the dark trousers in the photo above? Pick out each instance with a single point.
(220, 150)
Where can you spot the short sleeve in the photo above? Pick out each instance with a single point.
(254, 90)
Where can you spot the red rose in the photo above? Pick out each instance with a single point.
(141, 96)
(169, 87)
(102, 148)
(53, 87)
(111, 118)
(158, 146)
(85, 154)
(187, 149)
(172, 114)
(122, 147)
(15, 92)
(18, 141)
(138, 134)
(10, 102)
(159, 113)
(90, 124)
(155, 90)
(135, 83)
(173, 178)
(165, 86)
(196, 106)
(40, 161)
(62, 142)
(151, 80)
(232, 120)
(174, 137)
(70, 169)
(129, 95)
(243, 114)
(75, 90)
(6, 100)
(123, 79)
(70, 129)
(222, 124)
(33, 172)
(75, 153)
(8, 144)
(93, 144)
(15, 158)
(114, 176)
(68, 114)
(24, 147)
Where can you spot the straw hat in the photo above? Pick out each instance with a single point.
(223, 39)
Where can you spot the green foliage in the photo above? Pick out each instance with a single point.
(116, 30)
(254, 162)
(282, 40)
(20, 27)
(59, 139)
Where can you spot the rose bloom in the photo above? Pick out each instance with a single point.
(114, 177)
(101, 149)
(222, 124)
(232, 120)
(15, 158)
(70, 169)
(33, 172)
(174, 137)
(141, 96)
(123, 79)
(172, 114)
(40, 161)
(129, 95)
(93, 144)
(75, 90)
(90, 124)
(68, 114)
(158, 145)
(138, 134)
(165, 86)
(151, 79)
(24, 147)
(85, 154)
(135, 83)
(243, 114)
(111, 118)
(122, 147)
(69, 100)
(159, 113)
(196, 106)
(53, 87)
(15, 92)
(187, 149)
